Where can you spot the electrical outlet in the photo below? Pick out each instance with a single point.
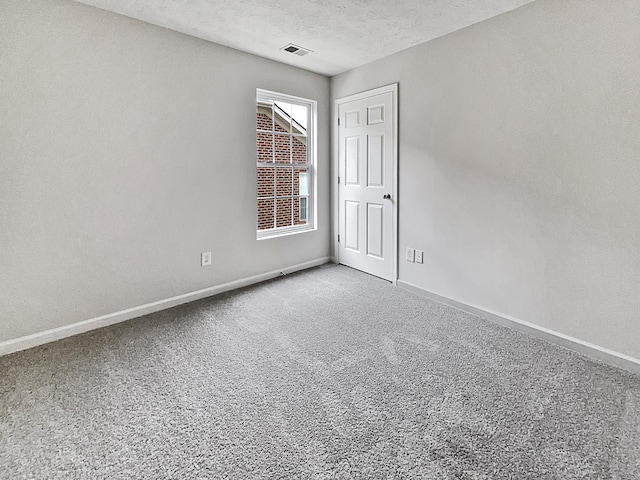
(418, 256)
(411, 254)
(205, 259)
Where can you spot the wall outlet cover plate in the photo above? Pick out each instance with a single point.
(410, 254)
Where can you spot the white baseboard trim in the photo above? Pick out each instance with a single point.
(30, 341)
(591, 350)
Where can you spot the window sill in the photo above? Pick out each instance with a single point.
(284, 231)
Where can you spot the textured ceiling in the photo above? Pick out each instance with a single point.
(342, 34)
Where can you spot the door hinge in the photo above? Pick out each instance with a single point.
(338, 180)
(338, 238)
(338, 121)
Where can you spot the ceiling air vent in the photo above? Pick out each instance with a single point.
(296, 50)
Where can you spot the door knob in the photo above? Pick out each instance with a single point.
(387, 196)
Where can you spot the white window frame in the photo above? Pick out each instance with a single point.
(267, 95)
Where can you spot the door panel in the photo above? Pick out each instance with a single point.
(367, 169)
(352, 119)
(352, 159)
(352, 225)
(375, 114)
(375, 161)
(375, 231)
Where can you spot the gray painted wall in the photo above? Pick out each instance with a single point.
(125, 151)
(520, 165)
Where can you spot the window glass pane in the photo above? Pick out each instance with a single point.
(264, 145)
(282, 116)
(282, 148)
(299, 149)
(284, 182)
(283, 209)
(264, 115)
(266, 183)
(299, 119)
(301, 181)
(265, 213)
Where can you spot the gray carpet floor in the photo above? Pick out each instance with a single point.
(325, 374)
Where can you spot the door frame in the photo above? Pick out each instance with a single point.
(393, 88)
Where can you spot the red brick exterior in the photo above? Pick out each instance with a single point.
(276, 146)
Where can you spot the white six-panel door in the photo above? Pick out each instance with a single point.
(366, 191)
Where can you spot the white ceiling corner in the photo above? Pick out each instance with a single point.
(341, 34)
